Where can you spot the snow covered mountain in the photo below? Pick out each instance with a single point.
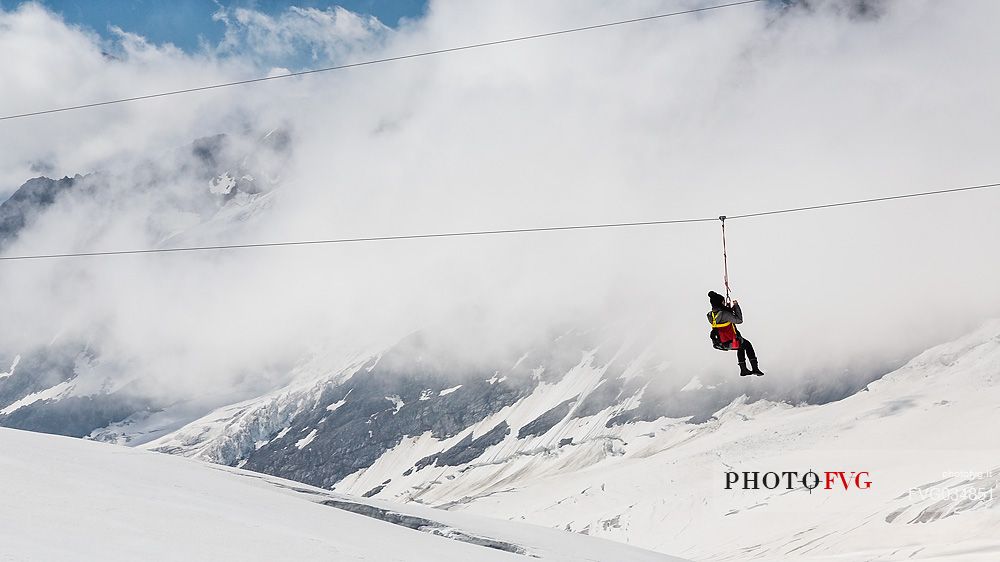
(563, 440)
(126, 504)
(412, 396)
(69, 385)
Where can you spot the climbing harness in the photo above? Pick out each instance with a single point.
(724, 335)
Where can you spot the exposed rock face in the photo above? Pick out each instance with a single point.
(404, 393)
(28, 202)
(33, 372)
(418, 406)
(546, 421)
(76, 416)
(467, 450)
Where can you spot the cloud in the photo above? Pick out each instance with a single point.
(737, 110)
(50, 64)
(304, 35)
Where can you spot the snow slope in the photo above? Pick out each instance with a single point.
(68, 499)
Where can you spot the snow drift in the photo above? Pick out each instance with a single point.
(67, 499)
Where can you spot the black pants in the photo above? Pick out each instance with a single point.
(746, 348)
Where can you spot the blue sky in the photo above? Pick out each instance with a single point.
(183, 22)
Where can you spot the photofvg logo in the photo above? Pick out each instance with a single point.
(791, 480)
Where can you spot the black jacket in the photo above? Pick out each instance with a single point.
(726, 314)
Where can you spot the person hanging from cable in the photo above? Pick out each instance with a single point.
(726, 337)
(724, 318)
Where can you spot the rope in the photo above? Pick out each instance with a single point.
(482, 232)
(725, 260)
(351, 240)
(864, 201)
(379, 61)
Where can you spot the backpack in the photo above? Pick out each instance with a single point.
(724, 336)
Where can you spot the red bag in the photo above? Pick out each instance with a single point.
(724, 336)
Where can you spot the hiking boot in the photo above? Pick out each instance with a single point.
(743, 369)
(754, 370)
